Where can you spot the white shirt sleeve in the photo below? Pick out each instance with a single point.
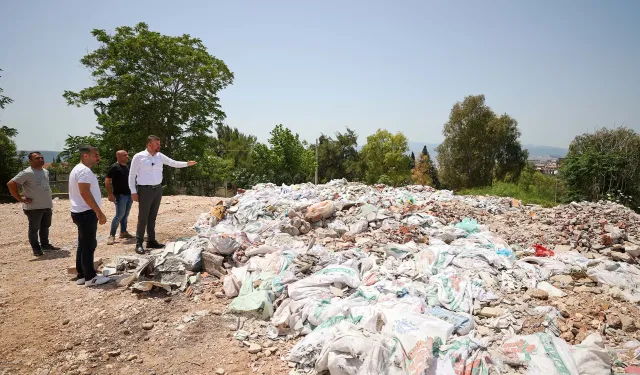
(133, 173)
(84, 176)
(172, 163)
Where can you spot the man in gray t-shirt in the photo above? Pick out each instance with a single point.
(37, 203)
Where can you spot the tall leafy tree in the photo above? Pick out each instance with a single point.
(149, 83)
(412, 162)
(229, 143)
(338, 158)
(292, 161)
(479, 146)
(432, 171)
(420, 172)
(604, 165)
(10, 159)
(385, 158)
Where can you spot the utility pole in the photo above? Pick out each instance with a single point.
(316, 161)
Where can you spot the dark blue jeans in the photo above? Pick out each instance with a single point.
(87, 223)
(123, 206)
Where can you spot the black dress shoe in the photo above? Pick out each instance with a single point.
(49, 247)
(139, 249)
(154, 245)
(38, 253)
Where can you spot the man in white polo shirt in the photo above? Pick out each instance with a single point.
(84, 195)
(145, 183)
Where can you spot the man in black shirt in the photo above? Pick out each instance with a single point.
(118, 188)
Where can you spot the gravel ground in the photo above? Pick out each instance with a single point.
(49, 325)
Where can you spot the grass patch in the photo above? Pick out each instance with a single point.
(541, 195)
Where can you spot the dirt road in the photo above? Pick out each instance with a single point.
(48, 325)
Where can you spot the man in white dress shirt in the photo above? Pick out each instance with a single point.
(145, 183)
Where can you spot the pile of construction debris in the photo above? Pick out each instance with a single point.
(415, 281)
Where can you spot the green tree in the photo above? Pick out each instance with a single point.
(149, 83)
(292, 161)
(479, 146)
(386, 154)
(4, 100)
(263, 162)
(231, 144)
(10, 159)
(71, 154)
(432, 170)
(214, 168)
(604, 165)
(420, 173)
(338, 158)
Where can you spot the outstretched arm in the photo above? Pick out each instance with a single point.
(176, 164)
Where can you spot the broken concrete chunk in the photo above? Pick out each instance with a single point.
(254, 348)
(552, 290)
(587, 289)
(492, 312)
(562, 279)
(539, 294)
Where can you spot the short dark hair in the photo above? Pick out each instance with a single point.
(152, 138)
(84, 150)
(34, 153)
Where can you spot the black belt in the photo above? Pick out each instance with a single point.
(151, 186)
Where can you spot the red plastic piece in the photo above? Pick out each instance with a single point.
(542, 251)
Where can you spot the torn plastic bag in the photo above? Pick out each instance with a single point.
(224, 244)
(468, 225)
(233, 281)
(354, 351)
(283, 240)
(326, 308)
(463, 323)
(262, 249)
(450, 234)
(542, 353)
(231, 286)
(591, 357)
(307, 350)
(464, 355)
(269, 262)
(542, 251)
(419, 219)
(621, 277)
(400, 251)
(420, 337)
(532, 273)
(319, 211)
(451, 291)
(358, 227)
(255, 298)
(322, 279)
(191, 252)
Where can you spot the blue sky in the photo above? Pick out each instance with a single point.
(560, 68)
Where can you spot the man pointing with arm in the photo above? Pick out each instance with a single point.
(145, 183)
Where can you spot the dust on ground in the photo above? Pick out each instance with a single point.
(49, 325)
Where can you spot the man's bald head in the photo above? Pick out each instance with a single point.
(122, 156)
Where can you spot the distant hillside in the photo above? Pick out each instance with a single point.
(534, 150)
(48, 155)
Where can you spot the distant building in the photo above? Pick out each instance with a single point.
(546, 165)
